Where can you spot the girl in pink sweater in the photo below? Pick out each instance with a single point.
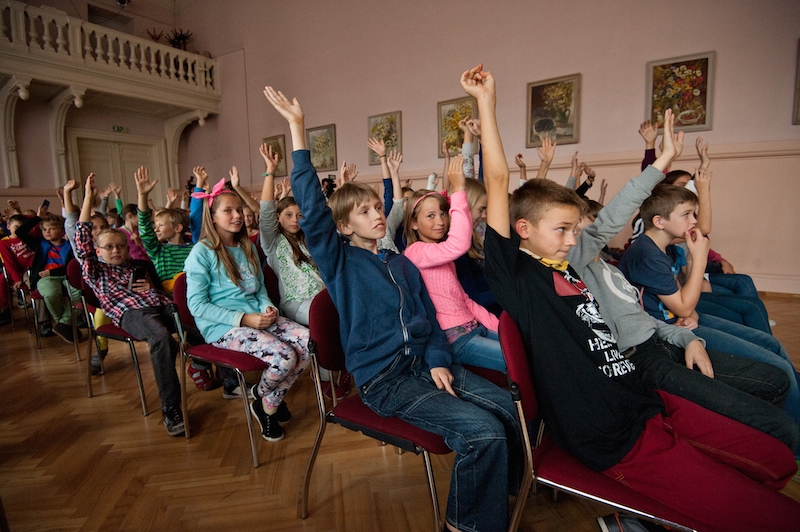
(436, 238)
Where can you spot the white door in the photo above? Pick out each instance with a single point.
(116, 157)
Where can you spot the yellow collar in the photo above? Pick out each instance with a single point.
(560, 265)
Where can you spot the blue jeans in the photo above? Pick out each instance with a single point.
(742, 389)
(479, 425)
(739, 340)
(481, 348)
(743, 310)
(732, 283)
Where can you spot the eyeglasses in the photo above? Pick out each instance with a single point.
(112, 247)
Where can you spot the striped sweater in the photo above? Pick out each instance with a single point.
(168, 259)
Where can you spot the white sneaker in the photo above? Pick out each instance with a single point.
(236, 393)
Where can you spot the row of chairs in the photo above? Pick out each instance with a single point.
(545, 463)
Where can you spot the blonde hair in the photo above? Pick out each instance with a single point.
(210, 238)
(347, 197)
(173, 216)
(412, 210)
(475, 191)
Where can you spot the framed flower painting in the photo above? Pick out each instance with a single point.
(388, 128)
(685, 85)
(450, 114)
(553, 110)
(321, 142)
(278, 143)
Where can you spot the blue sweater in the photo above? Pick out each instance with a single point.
(383, 306)
(216, 303)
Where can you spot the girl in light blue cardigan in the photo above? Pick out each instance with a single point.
(227, 297)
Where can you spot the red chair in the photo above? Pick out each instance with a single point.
(236, 360)
(272, 284)
(90, 304)
(352, 413)
(551, 466)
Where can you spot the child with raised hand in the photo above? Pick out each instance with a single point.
(390, 168)
(284, 244)
(546, 153)
(52, 252)
(227, 297)
(133, 305)
(163, 243)
(399, 357)
(592, 403)
(438, 232)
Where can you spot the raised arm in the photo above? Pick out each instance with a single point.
(702, 181)
(649, 132)
(143, 187)
(270, 164)
(523, 169)
(546, 154)
(147, 234)
(173, 199)
(196, 204)
(446, 153)
(395, 217)
(293, 114)
(379, 147)
(481, 86)
(236, 183)
(467, 147)
(71, 211)
(268, 221)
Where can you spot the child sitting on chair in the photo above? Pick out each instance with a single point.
(394, 347)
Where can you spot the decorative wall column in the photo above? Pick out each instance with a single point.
(16, 87)
(173, 129)
(59, 106)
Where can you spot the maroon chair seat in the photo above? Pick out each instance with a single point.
(236, 360)
(550, 465)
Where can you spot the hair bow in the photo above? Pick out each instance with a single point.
(443, 193)
(216, 191)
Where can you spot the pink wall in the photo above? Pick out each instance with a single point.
(348, 60)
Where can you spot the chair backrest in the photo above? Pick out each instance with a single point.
(271, 282)
(181, 302)
(517, 364)
(323, 324)
(74, 275)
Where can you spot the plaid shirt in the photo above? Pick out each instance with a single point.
(109, 282)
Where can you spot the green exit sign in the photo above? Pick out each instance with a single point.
(119, 129)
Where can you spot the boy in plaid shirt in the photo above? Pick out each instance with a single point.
(132, 304)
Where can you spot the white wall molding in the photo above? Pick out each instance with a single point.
(173, 129)
(13, 89)
(59, 106)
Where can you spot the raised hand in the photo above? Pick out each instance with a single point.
(172, 197)
(649, 132)
(479, 84)
(455, 173)
(143, 183)
(90, 192)
(394, 160)
(377, 145)
(201, 177)
(278, 190)
(60, 194)
(407, 184)
(575, 166)
(105, 192)
(290, 110)
(474, 126)
(590, 175)
(70, 186)
(234, 175)
(702, 177)
(271, 158)
(347, 173)
(41, 212)
(702, 152)
(547, 151)
(286, 188)
(519, 161)
(603, 188)
(116, 189)
(445, 150)
(14, 206)
(671, 144)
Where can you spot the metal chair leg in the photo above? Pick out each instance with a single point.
(138, 377)
(437, 519)
(36, 324)
(245, 400)
(303, 510)
(184, 395)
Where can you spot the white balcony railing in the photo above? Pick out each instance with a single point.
(52, 41)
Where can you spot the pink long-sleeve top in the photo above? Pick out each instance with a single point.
(435, 262)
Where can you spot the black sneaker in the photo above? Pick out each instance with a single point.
(283, 415)
(46, 330)
(65, 332)
(235, 392)
(270, 429)
(173, 420)
(96, 358)
(5, 316)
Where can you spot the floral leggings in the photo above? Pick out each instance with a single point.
(283, 345)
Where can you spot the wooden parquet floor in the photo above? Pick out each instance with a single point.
(71, 463)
